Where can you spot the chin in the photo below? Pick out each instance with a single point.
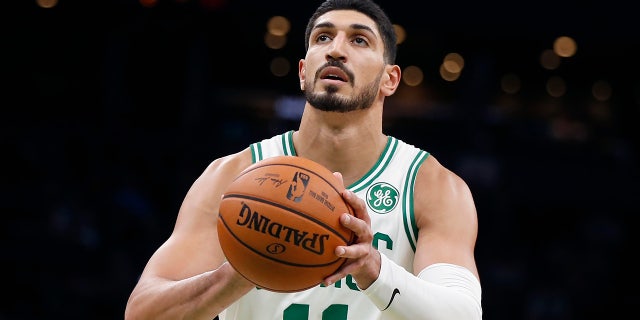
(331, 89)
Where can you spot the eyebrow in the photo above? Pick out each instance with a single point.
(355, 26)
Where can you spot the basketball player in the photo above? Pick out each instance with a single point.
(415, 220)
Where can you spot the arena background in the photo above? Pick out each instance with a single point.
(112, 108)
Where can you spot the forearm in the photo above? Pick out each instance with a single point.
(200, 297)
(441, 291)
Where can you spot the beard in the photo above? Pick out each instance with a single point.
(332, 102)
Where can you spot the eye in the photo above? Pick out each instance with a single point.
(361, 41)
(322, 38)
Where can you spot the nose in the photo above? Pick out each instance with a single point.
(337, 50)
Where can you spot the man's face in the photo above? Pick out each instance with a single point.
(344, 63)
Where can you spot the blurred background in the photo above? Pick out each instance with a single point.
(113, 108)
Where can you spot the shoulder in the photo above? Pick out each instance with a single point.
(204, 195)
(221, 171)
(230, 165)
(440, 194)
(436, 174)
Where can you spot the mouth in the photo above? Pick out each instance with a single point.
(333, 73)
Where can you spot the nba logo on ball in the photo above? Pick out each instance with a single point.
(298, 186)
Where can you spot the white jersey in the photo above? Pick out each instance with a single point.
(388, 192)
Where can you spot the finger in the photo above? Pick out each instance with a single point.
(351, 265)
(341, 273)
(345, 269)
(357, 204)
(360, 226)
(334, 277)
(363, 238)
(339, 176)
(353, 251)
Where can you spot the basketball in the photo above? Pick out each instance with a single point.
(278, 223)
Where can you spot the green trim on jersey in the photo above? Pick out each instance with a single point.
(378, 168)
(287, 147)
(256, 152)
(287, 144)
(408, 215)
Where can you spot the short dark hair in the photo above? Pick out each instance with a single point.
(366, 7)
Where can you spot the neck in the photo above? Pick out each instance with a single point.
(349, 143)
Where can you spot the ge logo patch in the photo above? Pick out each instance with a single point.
(382, 197)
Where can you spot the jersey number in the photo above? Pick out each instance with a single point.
(301, 312)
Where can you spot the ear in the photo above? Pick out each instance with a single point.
(390, 79)
(301, 73)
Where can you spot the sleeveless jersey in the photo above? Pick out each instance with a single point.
(387, 189)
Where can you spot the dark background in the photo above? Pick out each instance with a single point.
(112, 109)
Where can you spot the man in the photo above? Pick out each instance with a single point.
(415, 221)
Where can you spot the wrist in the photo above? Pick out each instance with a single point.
(235, 280)
(370, 272)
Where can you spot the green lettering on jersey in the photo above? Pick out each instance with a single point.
(382, 237)
(350, 283)
(301, 312)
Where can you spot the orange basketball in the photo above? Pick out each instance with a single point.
(278, 223)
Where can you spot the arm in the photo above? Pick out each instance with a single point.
(445, 282)
(187, 277)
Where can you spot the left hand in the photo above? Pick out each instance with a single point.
(363, 260)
